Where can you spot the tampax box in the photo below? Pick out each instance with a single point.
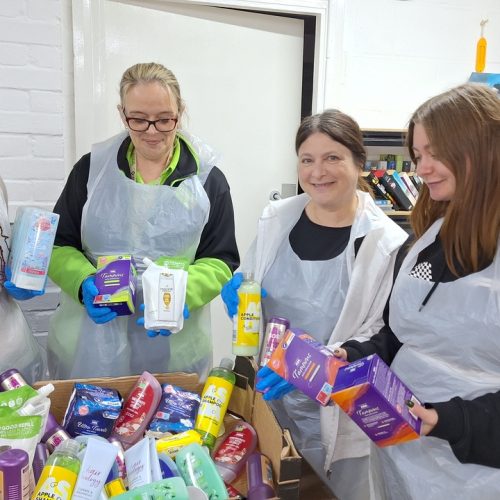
(116, 280)
(306, 364)
(374, 397)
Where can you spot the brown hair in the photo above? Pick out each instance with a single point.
(463, 127)
(151, 72)
(340, 128)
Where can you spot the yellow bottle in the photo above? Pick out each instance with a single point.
(481, 50)
(246, 326)
(58, 477)
(214, 400)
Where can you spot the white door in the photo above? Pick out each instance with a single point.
(240, 75)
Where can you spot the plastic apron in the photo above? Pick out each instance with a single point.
(311, 295)
(123, 217)
(19, 349)
(451, 348)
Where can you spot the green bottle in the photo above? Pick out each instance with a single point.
(214, 400)
(58, 477)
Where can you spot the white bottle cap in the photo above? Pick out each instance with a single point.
(227, 363)
(45, 390)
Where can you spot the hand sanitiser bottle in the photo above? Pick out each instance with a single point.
(59, 475)
(214, 400)
(246, 326)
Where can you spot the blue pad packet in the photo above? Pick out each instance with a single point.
(177, 410)
(92, 410)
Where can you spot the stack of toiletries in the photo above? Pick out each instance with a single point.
(161, 442)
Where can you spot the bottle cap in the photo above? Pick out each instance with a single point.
(115, 487)
(69, 446)
(248, 275)
(227, 363)
(45, 390)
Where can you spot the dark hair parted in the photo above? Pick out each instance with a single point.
(340, 128)
(463, 128)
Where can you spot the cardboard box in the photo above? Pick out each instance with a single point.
(307, 364)
(273, 442)
(374, 397)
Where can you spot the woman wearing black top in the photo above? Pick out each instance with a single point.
(442, 333)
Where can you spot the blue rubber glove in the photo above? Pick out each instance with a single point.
(99, 315)
(274, 385)
(162, 332)
(229, 294)
(16, 292)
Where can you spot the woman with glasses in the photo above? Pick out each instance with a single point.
(151, 191)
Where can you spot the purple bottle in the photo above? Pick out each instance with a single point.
(11, 379)
(260, 477)
(14, 475)
(54, 434)
(39, 460)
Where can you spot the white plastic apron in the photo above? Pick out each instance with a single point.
(451, 348)
(121, 216)
(311, 295)
(18, 347)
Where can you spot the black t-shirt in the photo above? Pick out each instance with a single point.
(311, 241)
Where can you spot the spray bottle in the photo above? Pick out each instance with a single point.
(214, 400)
(246, 327)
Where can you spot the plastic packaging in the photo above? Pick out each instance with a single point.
(172, 488)
(172, 444)
(259, 477)
(59, 476)
(231, 456)
(97, 462)
(481, 50)
(138, 460)
(14, 475)
(198, 469)
(119, 469)
(246, 326)
(32, 242)
(164, 294)
(137, 410)
(214, 400)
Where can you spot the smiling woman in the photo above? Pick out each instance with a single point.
(152, 191)
(325, 258)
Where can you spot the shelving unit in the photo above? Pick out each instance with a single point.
(380, 141)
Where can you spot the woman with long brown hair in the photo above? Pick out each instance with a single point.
(442, 336)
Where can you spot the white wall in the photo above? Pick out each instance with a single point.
(384, 58)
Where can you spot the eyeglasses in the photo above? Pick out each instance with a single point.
(141, 124)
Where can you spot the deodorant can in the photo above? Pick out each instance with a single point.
(11, 379)
(14, 475)
(275, 329)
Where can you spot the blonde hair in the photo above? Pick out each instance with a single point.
(151, 72)
(463, 127)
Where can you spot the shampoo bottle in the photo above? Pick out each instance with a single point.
(246, 326)
(233, 452)
(137, 410)
(214, 400)
(260, 477)
(59, 475)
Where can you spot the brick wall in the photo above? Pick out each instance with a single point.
(31, 119)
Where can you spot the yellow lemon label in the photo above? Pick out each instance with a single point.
(246, 333)
(55, 483)
(214, 401)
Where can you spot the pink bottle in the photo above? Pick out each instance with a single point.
(137, 410)
(233, 452)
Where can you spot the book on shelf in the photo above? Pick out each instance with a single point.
(417, 181)
(378, 189)
(403, 186)
(409, 184)
(394, 189)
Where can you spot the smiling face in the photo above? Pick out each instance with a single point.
(436, 175)
(150, 101)
(327, 172)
